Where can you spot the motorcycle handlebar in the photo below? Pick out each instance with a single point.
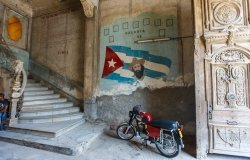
(131, 113)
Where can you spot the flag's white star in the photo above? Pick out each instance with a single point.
(112, 63)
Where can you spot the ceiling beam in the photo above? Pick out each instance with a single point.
(19, 6)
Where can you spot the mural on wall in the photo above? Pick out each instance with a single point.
(137, 52)
(15, 28)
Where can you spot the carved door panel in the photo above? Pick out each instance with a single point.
(229, 120)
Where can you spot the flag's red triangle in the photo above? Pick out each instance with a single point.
(112, 62)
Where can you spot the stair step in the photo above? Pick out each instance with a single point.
(36, 102)
(48, 130)
(28, 85)
(35, 93)
(47, 106)
(31, 81)
(36, 89)
(26, 114)
(73, 142)
(41, 97)
(52, 118)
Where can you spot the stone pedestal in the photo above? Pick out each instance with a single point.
(13, 119)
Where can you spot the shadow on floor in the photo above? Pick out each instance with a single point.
(189, 141)
(190, 144)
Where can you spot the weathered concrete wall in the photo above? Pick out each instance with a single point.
(57, 49)
(166, 102)
(121, 33)
(124, 24)
(5, 82)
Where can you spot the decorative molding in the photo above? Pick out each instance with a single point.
(196, 45)
(226, 36)
(88, 8)
(18, 70)
(226, 13)
(221, 86)
(231, 86)
(231, 30)
(230, 56)
(219, 14)
(232, 137)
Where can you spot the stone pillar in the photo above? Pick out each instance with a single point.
(91, 65)
(90, 109)
(201, 103)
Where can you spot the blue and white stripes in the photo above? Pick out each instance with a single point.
(155, 67)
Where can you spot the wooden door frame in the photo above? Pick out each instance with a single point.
(199, 68)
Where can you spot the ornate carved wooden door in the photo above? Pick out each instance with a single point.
(229, 113)
(222, 33)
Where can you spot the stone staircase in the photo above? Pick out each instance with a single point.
(50, 122)
(42, 105)
(45, 113)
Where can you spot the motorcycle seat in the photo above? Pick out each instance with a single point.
(166, 124)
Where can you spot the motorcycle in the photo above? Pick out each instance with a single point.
(167, 135)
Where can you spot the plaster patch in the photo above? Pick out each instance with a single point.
(152, 84)
(189, 79)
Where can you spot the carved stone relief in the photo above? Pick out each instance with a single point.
(230, 56)
(227, 67)
(226, 13)
(222, 13)
(232, 137)
(230, 140)
(221, 86)
(231, 86)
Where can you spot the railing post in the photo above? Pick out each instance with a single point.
(13, 111)
(17, 91)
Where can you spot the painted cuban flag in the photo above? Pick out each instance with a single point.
(127, 66)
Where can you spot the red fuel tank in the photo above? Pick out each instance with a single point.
(146, 117)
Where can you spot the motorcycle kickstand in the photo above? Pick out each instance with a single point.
(144, 143)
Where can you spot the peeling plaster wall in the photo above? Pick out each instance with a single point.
(166, 103)
(57, 49)
(5, 82)
(176, 100)
(167, 63)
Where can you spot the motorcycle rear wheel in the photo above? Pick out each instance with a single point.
(125, 131)
(168, 147)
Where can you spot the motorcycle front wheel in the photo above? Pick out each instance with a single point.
(168, 147)
(125, 131)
